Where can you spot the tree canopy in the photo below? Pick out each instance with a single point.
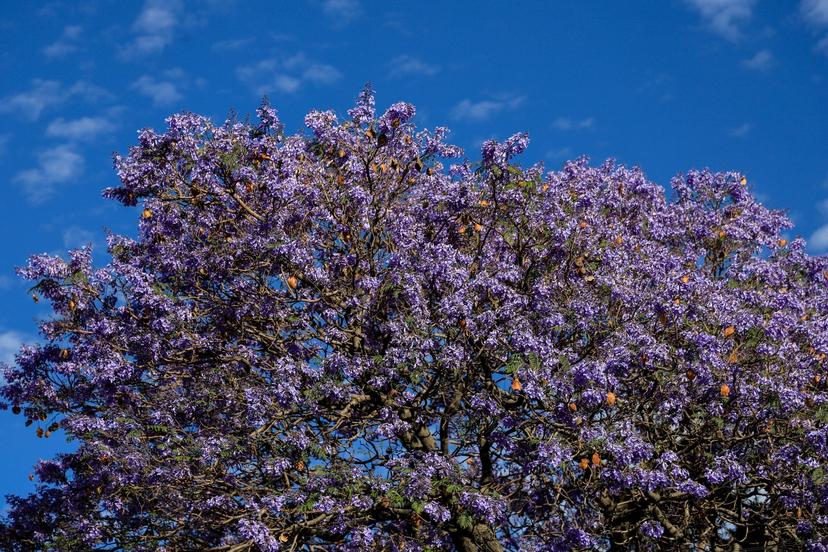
(345, 341)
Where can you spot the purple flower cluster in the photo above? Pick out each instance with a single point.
(337, 341)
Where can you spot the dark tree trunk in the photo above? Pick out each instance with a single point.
(480, 538)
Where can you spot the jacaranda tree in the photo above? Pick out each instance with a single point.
(336, 342)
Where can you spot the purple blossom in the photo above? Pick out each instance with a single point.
(337, 340)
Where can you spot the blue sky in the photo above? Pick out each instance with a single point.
(669, 86)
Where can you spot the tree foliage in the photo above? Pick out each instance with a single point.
(337, 342)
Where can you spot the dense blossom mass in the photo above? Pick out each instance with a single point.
(340, 341)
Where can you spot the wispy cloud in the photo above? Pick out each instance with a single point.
(154, 28)
(405, 65)
(468, 110)
(66, 44)
(740, 131)
(75, 237)
(45, 94)
(559, 153)
(725, 17)
(31, 103)
(341, 12)
(231, 45)
(321, 73)
(5, 282)
(159, 91)
(286, 75)
(762, 61)
(566, 123)
(10, 343)
(85, 128)
(815, 12)
(822, 45)
(55, 166)
(818, 242)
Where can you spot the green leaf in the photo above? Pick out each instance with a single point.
(465, 521)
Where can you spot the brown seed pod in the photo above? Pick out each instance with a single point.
(596, 459)
(611, 398)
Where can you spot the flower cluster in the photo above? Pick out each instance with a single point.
(358, 340)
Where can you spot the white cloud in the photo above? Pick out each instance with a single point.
(45, 94)
(725, 16)
(88, 92)
(154, 28)
(406, 65)
(30, 104)
(10, 343)
(75, 237)
(286, 75)
(468, 110)
(85, 128)
(565, 123)
(66, 44)
(815, 11)
(160, 92)
(818, 241)
(55, 165)
(762, 61)
(741, 131)
(231, 45)
(560, 153)
(321, 73)
(341, 11)
(822, 45)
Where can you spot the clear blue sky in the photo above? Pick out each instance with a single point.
(669, 85)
